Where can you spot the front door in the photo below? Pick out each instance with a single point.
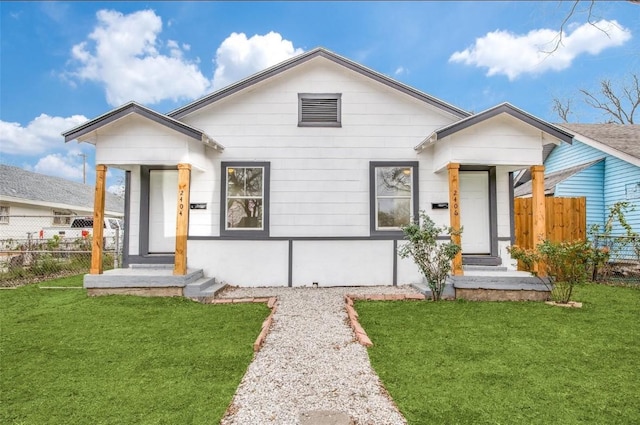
(163, 201)
(474, 212)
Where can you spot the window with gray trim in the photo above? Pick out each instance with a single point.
(4, 214)
(394, 195)
(319, 109)
(245, 203)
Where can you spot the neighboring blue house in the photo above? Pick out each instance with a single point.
(602, 164)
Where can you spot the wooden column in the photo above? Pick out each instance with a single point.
(539, 214)
(454, 214)
(98, 220)
(182, 219)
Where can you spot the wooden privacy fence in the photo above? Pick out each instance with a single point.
(566, 220)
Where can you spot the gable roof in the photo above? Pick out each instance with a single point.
(551, 180)
(39, 188)
(302, 58)
(503, 108)
(136, 108)
(621, 138)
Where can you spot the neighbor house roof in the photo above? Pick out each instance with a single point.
(503, 108)
(38, 189)
(302, 58)
(623, 139)
(551, 180)
(135, 108)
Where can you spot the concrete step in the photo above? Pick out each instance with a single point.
(523, 283)
(145, 277)
(496, 269)
(206, 287)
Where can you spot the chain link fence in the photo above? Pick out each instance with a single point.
(37, 248)
(623, 258)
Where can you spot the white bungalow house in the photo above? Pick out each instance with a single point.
(304, 173)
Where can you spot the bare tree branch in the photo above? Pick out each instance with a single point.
(562, 107)
(621, 107)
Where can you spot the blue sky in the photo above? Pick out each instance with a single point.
(65, 62)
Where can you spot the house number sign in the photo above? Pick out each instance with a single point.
(181, 205)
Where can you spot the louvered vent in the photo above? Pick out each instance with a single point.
(319, 110)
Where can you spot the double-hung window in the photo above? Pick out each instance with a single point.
(4, 214)
(245, 192)
(394, 195)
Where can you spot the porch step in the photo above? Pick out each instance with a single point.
(449, 292)
(497, 282)
(141, 277)
(205, 287)
(484, 268)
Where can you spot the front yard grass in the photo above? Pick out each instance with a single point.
(70, 359)
(511, 362)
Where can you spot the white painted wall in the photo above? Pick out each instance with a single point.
(136, 140)
(319, 176)
(243, 263)
(501, 140)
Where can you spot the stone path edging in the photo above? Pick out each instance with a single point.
(361, 334)
(266, 325)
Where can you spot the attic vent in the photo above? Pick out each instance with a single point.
(319, 110)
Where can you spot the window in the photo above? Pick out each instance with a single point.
(4, 214)
(319, 110)
(394, 195)
(61, 218)
(245, 199)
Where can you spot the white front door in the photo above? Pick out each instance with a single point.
(474, 212)
(163, 201)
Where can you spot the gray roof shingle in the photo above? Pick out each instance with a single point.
(623, 138)
(19, 183)
(551, 180)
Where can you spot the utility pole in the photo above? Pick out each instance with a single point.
(84, 167)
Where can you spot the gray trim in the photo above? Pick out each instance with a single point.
(512, 221)
(300, 59)
(493, 204)
(331, 96)
(131, 108)
(481, 260)
(505, 238)
(127, 218)
(395, 262)
(290, 268)
(372, 194)
(152, 259)
(245, 234)
(506, 108)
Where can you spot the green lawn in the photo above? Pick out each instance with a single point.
(510, 363)
(70, 359)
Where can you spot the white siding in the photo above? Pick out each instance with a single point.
(319, 176)
(138, 140)
(501, 140)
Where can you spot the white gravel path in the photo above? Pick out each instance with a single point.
(311, 361)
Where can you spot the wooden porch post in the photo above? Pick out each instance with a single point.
(182, 219)
(98, 220)
(454, 214)
(539, 213)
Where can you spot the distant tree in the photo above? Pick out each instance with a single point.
(619, 104)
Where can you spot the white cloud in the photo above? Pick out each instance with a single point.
(40, 135)
(122, 53)
(512, 55)
(399, 71)
(67, 166)
(239, 56)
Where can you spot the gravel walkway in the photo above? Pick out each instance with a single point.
(310, 361)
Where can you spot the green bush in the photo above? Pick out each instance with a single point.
(433, 258)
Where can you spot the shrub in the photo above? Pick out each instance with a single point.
(566, 264)
(433, 258)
